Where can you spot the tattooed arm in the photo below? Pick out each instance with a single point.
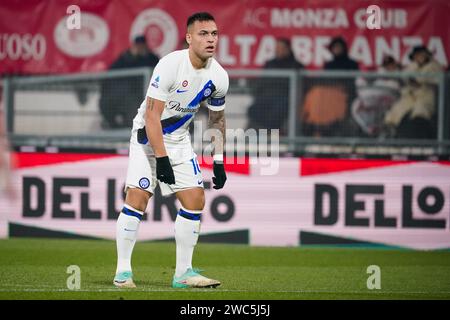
(217, 122)
(153, 126)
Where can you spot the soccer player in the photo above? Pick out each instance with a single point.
(160, 148)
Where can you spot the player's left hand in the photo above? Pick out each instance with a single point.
(164, 171)
(219, 175)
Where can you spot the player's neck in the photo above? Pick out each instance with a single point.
(196, 61)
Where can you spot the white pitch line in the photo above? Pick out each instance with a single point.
(221, 290)
(26, 285)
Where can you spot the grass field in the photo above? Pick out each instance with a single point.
(36, 269)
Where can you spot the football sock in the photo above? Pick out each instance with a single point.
(187, 229)
(126, 233)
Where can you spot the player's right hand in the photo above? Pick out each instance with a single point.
(164, 172)
(219, 175)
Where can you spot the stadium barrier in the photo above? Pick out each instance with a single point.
(316, 112)
(70, 168)
(308, 201)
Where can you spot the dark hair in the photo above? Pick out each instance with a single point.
(418, 49)
(338, 40)
(199, 16)
(140, 39)
(285, 41)
(388, 60)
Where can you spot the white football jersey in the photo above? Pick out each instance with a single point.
(183, 89)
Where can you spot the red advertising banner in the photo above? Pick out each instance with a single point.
(35, 36)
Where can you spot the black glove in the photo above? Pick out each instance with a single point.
(164, 172)
(142, 136)
(219, 175)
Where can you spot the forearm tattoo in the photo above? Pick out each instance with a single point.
(217, 122)
(150, 104)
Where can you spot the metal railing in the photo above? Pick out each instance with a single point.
(278, 99)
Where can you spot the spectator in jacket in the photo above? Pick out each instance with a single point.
(413, 116)
(120, 97)
(270, 107)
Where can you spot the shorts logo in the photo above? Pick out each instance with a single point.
(144, 183)
(207, 92)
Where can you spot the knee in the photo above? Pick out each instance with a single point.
(137, 198)
(199, 202)
(196, 202)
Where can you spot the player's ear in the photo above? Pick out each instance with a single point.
(188, 38)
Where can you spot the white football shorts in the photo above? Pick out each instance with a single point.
(142, 172)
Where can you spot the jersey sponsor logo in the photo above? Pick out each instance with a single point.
(175, 106)
(144, 183)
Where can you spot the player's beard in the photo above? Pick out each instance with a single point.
(205, 56)
(202, 54)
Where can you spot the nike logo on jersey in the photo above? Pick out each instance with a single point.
(200, 181)
(181, 91)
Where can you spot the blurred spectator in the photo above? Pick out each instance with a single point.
(413, 116)
(284, 57)
(121, 96)
(375, 98)
(138, 55)
(341, 60)
(326, 105)
(271, 97)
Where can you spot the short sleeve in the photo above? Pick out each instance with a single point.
(217, 100)
(162, 80)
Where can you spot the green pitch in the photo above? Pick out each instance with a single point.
(37, 269)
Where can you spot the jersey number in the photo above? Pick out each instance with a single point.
(195, 165)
